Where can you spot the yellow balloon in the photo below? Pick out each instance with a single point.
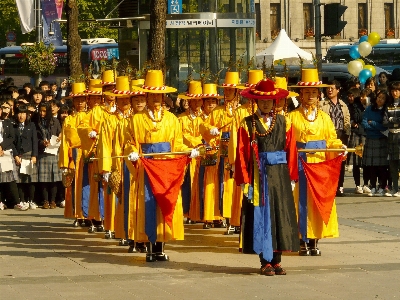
(374, 38)
(361, 61)
(371, 68)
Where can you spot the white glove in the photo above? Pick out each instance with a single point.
(64, 170)
(214, 131)
(293, 184)
(233, 168)
(92, 134)
(194, 153)
(345, 148)
(133, 156)
(106, 176)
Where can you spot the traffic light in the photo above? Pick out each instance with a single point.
(332, 18)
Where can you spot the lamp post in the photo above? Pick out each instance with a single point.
(39, 33)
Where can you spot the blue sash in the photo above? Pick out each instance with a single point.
(221, 170)
(186, 191)
(150, 201)
(262, 234)
(85, 190)
(201, 190)
(303, 185)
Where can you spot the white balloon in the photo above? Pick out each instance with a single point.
(364, 49)
(355, 67)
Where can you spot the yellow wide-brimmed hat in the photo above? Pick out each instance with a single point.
(309, 79)
(254, 76)
(280, 82)
(135, 83)
(121, 87)
(195, 91)
(78, 89)
(95, 87)
(232, 81)
(154, 83)
(210, 91)
(107, 77)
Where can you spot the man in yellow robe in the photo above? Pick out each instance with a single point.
(312, 128)
(71, 155)
(217, 130)
(190, 122)
(150, 131)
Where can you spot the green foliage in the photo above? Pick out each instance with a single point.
(88, 9)
(39, 59)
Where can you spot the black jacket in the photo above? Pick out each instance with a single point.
(356, 115)
(26, 141)
(8, 136)
(45, 132)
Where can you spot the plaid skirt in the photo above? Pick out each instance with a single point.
(394, 146)
(375, 152)
(9, 176)
(354, 141)
(24, 178)
(48, 168)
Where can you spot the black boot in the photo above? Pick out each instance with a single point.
(304, 250)
(313, 245)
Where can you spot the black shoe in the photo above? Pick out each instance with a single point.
(150, 257)
(267, 270)
(162, 257)
(141, 247)
(206, 226)
(339, 193)
(315, 252)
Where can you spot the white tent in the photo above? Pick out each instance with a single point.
(282, 48)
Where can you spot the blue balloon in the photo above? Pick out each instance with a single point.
(364, 38)
(353, 51)
(364, 75)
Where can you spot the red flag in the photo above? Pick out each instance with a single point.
(166, 178)
(322, 182)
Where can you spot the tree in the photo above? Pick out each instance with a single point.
(73, 40)
(156, 45)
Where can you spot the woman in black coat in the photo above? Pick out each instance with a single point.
(8, 186)
(26, 145)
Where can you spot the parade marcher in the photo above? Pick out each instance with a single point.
(283, 103)
(110, 144)
(190, 122)
(218, 127)
(265, 148)
(8, 185)
(340, 116)
(313, 128)
(375, 154)
(154, 131)
(208, 172)
(88, 131)
(26, 145)
(71, 157)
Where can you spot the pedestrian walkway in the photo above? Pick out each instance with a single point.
(43, 257)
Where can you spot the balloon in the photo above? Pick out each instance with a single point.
(361, 61)
(353, 51)
(365, 49)
(363, 38)
(373, 38)
(355, 67)
(371, 68)
(364, 75)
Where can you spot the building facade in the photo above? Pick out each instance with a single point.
(297, 18)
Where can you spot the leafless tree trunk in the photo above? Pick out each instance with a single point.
(158, 12)
(73, 39)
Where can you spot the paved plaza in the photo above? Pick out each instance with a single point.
(43, 257)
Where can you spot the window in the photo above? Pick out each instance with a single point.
(258, 21)
(308, 19)
(389, 20)
(275, 19)
(362, 19)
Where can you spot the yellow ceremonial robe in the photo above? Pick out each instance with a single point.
(192, 138)
(141, 129)
(223, 119)
(304, 131)
(71, 157)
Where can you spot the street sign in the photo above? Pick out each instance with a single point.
(11, 36)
